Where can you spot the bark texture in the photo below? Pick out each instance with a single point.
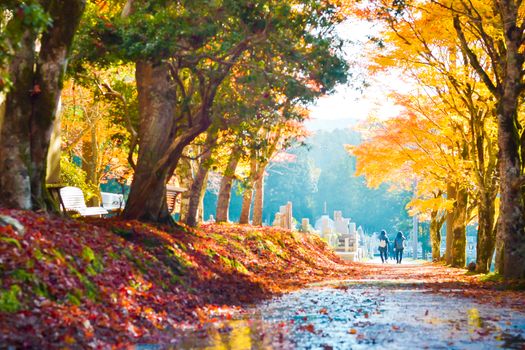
(31, 108)
(486, 232)
(459, 233)
(436, 223)
(258, 202)
(456, 227)
(451, 194)
(247, 197)
(248, 194)
(512, 207)
(197, 191)
(147, 200)
(194, 213)
(223, 200)
(15, 142)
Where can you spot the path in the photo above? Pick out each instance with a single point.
(413, 305)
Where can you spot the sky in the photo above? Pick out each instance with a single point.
(350, 105)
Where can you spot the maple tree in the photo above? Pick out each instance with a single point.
(451, 82)
(488, 40)
(93, 131)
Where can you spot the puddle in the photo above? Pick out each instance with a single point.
(363, 317)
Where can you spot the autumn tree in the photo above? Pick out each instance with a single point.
(94, 124)
(498, 27)
(184, 51)
(271, 141)
(409, 144)
(444, 72)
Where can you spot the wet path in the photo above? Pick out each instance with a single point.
(374, 313)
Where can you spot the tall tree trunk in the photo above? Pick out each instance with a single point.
(89, 162)
(185, 175)
(258, 201)
(15, 145)
(50, 70)
(436, 224)
(500, 251)
(147, 199)
(512, 206)
(486, 232)
(459, 233)
(248, 193)
(223, 200)
(31, 108)
(200, 209)
(246, 205)
(198, 188)
(451, 195)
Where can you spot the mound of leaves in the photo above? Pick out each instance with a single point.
(98, 283)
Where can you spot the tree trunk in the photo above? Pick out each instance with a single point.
(500, 251)
(451, 195)
(486, 232)
(198, 188)
(512, 207)
(147, 198)
(50, 70)
(89, 162)
(15, 145)
(459, 233)
(31, 108)
(248, 193)
(223, 200)
(258, 201)
(185, 175)
(246, 205)
(200, 209)
(435, 235)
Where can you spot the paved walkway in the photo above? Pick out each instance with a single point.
(412, 305)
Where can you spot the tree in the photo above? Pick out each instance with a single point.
(443, 70)
(184, 51)
(32, 101)
(93, 125)
(499, 26)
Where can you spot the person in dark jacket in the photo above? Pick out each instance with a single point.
(383, 246)
(399, 246)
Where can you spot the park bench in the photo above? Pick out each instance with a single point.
(172, 192)
(72, 201)
(112, 202)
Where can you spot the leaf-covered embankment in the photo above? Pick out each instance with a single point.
(102, 282)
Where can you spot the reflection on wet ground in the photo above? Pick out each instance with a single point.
(367, 315)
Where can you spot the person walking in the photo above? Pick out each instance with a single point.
(383, 246)
(399, 246)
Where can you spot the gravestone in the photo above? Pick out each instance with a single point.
(305, 225)
(340, 223)
(284, 218)
(277, 220)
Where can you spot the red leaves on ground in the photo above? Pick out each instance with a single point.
(99, 283)
(107, 283)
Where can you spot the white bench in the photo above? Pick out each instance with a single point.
(72, 200)
(112, 201)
